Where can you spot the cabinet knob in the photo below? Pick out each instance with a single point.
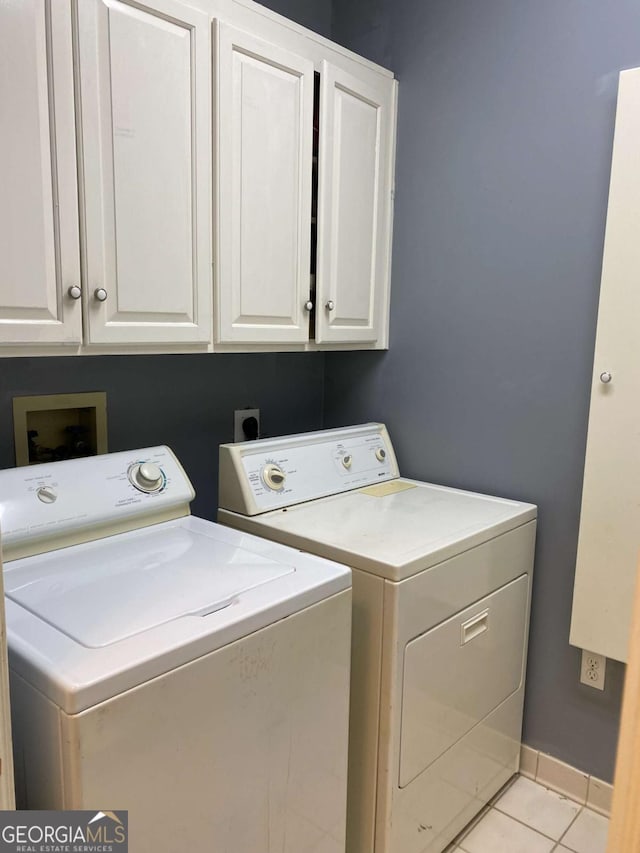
(308, 305)
(74, 292)
(330, 305)
(605, 377)
(100, 294)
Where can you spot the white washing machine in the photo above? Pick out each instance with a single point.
(194, 675)
(441, 597)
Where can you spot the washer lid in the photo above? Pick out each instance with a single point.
(106, 591)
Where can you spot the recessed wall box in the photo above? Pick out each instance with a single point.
(59, 426)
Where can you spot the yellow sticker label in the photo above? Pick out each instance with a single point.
(381, 490)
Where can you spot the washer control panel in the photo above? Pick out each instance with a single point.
(274, 473)
(58, 499)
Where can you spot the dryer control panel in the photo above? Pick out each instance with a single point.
(258, 476)
(84, 499)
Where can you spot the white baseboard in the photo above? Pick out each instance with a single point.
(567, 780)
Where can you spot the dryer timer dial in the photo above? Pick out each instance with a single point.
(273, 477)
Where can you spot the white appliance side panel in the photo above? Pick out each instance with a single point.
(364, 718)
(7, 788)
(607, 556)
(457, 673)
(37, 747)
(246, 746)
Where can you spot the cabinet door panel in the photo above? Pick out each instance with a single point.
(608, 541)
(144, 75)
(354, 200)
(264, 220)
(39, 252)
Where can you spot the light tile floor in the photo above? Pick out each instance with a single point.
(528, 818)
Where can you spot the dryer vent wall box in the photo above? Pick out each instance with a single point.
(441, 591)
(144, 641)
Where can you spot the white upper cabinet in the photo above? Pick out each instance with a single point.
(144, 114)
(354, 205)
(39, 251)
(265, 139)
(303, 213)
(186, 175)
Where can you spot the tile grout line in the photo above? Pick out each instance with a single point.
(492, 805)
(570, 825)
(544, 834)
(555, 841)
(468, 829)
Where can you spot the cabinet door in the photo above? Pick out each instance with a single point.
(145, 119)
(357, 126)
(609, 537)
(39, 253)
(265, 120)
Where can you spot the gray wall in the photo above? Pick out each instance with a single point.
(506, 118)
(315, 14)
(185, 401)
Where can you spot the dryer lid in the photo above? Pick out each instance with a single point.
(105, 591)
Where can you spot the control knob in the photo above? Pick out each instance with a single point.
(273, 477)
(147, 477)
(47, 495)
(381, 454)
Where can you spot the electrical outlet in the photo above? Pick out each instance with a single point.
(239, 417)
(592, 670)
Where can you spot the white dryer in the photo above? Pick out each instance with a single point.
(194, 675)
(441, 597)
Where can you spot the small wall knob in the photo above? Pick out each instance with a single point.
(74, 291)
(330, 305)
(605, 377)
(100, 294)
(308, 305)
